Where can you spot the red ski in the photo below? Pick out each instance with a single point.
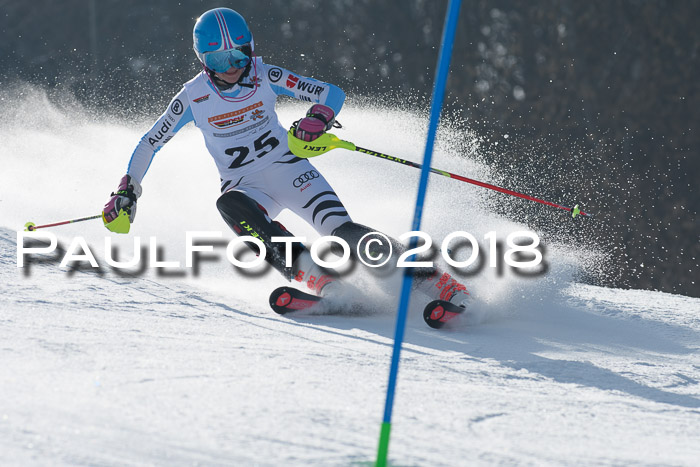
(286, 299)
(439, 312)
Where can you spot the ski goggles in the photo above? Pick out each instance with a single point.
(223, 60)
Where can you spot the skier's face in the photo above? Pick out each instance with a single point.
(231, 76)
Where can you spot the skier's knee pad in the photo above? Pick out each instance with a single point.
(352, 232)
(246, 217)
(355, 233)
(241, 213)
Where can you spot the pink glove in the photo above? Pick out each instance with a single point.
(318, 120)
(123, 198)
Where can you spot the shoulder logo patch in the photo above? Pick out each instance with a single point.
(274, 74)
(176, 107)
(292, 81)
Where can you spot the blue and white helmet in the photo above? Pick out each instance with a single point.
(222, 40)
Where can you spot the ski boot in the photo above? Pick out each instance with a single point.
(317, 284)
(319, 281)
(450, 298)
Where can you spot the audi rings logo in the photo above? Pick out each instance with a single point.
(305, 177)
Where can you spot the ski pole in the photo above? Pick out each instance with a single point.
(328, 141)
(30, 226)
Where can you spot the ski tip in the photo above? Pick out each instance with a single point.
(279, 299)
(439, 312)
(283, 300)
(286, 299)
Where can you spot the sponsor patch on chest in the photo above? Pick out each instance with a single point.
(230, 119)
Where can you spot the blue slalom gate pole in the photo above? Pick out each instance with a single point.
(448, 37)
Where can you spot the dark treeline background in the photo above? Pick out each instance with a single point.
(575, 101)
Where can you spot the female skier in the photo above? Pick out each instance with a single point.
(232, 102)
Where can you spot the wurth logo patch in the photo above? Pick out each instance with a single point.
(313, 89)
(304, 86)
(292, 81)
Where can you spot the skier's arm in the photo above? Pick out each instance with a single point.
(285, 83)
(177, 115)
(120, 210)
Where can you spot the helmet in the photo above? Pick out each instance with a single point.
(222, 40)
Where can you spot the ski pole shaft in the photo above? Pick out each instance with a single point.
(30, 226)
(575, 210)
(329, 141)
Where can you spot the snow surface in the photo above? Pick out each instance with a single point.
(190, 367)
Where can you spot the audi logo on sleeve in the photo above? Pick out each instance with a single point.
(305, 177)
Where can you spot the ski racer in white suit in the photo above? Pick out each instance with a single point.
(232, 102)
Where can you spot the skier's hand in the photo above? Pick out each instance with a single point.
(318, 120)
(120, 210)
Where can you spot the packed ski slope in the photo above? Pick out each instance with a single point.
(183, 366)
